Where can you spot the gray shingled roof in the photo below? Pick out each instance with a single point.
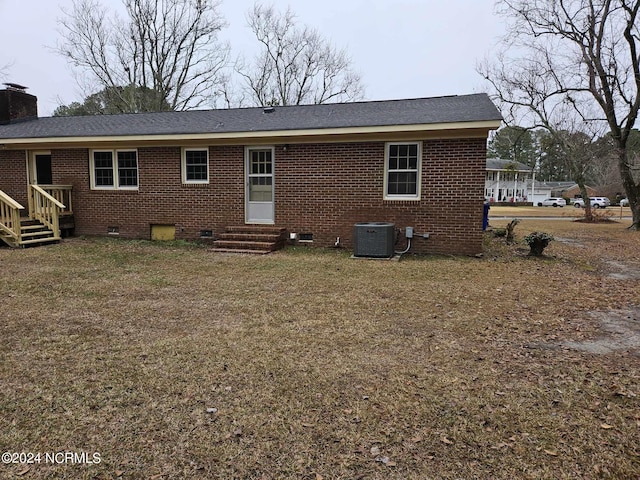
(501, 164)
(555, 185)
(453, 109)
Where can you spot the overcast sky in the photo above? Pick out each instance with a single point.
(401, 48)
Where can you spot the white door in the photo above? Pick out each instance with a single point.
(259, 185)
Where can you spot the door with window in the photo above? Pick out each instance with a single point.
(259, 185)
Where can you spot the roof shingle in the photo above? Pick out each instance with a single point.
(452, 109)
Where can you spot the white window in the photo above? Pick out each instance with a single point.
(402, 171)
(114, 169)
(195, 165)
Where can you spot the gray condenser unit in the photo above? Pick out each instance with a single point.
(373, 239)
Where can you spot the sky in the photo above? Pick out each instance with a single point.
(401, 48)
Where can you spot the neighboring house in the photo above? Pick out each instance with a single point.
(313, 170)
(558, 189)
(543, 190)
(506, 181)
(572, 190)
(509, 181)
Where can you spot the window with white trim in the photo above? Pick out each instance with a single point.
(402, 171)
(195, 165)
(114, 169)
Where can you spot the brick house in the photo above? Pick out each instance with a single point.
(312, 170)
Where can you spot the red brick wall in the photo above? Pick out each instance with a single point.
(322, 189)
(161, 197)
(13, 175)
(325, 189)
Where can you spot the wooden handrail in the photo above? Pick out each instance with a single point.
(44, 208)
(52, 186)
(62, 193)
(10, 218)
(10, 201)
(46, 195)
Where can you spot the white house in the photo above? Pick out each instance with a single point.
(507, 181)
(544, 190)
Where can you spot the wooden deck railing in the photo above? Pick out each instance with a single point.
(10, 217)
(61, 193)
(45, 208)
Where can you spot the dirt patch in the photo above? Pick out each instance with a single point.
(570, 241)
(623, 270)
(621, 330)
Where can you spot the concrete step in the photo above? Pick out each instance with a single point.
(243, 245)
(239, 250)
(250, 237)
(269, 229)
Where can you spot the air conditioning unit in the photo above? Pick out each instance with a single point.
(373, 239)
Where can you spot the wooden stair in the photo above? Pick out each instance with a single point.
(33, 233)
(255, 239)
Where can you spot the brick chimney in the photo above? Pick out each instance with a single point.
(17, 105)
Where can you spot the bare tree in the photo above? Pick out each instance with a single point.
(4, 70)
(573, 66)
(166, 46)
(296, 65)
(108, 101)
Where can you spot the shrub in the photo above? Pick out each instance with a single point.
(537, 242)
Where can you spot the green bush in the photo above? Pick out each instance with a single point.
(537, 242)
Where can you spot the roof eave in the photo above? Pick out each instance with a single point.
(436, 130)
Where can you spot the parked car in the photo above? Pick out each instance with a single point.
(596, 202)
(552, 202)
(624, 202)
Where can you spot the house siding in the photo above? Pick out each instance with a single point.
(322, 189)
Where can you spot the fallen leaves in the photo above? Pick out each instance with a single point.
(386, 461)
(399, 390)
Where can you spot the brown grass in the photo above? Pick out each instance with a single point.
(319, 366)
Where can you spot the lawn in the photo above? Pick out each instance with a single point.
(170, 361)
(615, 212)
